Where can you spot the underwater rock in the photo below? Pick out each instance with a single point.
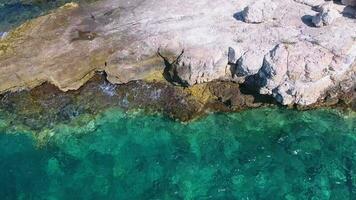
(45, 106)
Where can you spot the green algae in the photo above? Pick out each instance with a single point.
(256, 154)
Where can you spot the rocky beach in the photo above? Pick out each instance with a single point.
(235, 86)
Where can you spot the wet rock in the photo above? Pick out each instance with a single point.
(259, 11)
(45, 106)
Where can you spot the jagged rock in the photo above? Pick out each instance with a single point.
(326, 16)
(349, 2)
(296, 76)
(259, 11)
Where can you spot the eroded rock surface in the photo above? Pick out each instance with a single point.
(298, 62)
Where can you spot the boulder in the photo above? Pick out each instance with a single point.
(299, 73)
(326, 16)
(259, 11)
(274, 69)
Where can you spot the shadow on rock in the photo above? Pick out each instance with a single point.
(170, 72)
(251, 86)
(307, 20)
(349, 12)
(239, 16)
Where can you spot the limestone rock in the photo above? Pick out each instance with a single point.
(326, 16)
(122, 38)
(296, 76)
(259, 11)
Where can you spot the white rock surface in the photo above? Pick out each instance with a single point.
(300, 62)
(293, 76)
(259, 11)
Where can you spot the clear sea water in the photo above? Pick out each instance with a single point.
(256, 154)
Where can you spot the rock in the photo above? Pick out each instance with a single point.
(296, 76)
(326, 16)
(349, 2)
(122, 38)
(274, 69)
(249, 63)
(259, 11)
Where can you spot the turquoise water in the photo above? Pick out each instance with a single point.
(257, 154)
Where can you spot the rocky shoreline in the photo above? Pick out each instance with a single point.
(182, 63)
(45, 106)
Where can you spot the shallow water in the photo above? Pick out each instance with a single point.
(257, 154)
(14, 12)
